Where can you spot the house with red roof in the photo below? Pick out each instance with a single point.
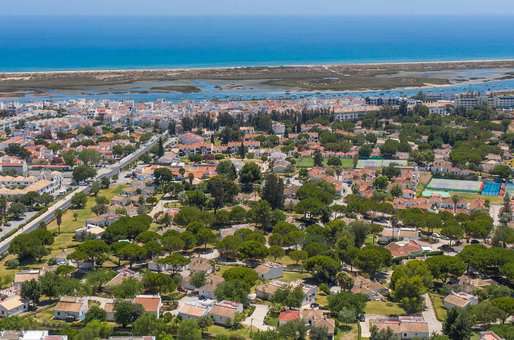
(404, 248)
(288, 316)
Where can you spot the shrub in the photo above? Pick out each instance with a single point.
(11, 264)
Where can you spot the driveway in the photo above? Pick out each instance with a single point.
(494, 211)
(211, 255)
(159, 207)
(257, 318)
(365, 331)
(434, 325)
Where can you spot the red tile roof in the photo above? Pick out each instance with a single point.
(289, 315)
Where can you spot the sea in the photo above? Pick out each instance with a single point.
(52, 43)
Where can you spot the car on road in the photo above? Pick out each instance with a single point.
(442, 237)
(446, 248)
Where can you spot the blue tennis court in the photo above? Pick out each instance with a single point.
(491, 189)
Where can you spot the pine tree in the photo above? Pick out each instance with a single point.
(318, 158)
(242, 150)
(273, 191)
(172, 128)
(160, 150)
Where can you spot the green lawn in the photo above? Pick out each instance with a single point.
(322, 299)
(64, 241)
(347, 163)
(216, 330)
(492, 199)
(305, 162)
(69, 224)
(308, 162)
(351, 333)
(285, 260)
(223, 268)
(383, 308)
(293, 276)
(440, 311)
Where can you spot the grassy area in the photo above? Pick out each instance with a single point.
(64, 241)
(475, 336)
(216, 330)
(469, 196)
(285, 260)
(437, 302)
(44, 315)
(224, 268)
(383, 308)
(293, 276)
(322, 299)
(347, 163)
(304, 162)
(70, 223)
(308, 162)
(348, 334)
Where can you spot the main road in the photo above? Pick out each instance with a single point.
(65, 202)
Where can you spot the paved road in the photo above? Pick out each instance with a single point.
(434, 325)
(13, 225)
(257, 318)
(64, 203)
(46, 217)
(494, 211)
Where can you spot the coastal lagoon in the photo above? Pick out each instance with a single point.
(210, 90)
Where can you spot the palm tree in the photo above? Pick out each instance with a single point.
(455, 200)
(58, 219)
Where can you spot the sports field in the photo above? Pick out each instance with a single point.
(454, 185)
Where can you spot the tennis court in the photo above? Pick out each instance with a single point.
(491, 188)
(450, 185)
(380, 163)
(430, 193)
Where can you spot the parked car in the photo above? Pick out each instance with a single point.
(446, 248)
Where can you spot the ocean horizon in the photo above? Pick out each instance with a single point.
(43, 43)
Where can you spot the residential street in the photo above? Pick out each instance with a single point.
(434, 325)
(14, 225)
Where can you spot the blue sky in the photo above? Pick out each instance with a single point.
(257, 7)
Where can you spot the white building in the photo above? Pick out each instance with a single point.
(278, 128)
(224, 313)
(71, 308)
(13, 305)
